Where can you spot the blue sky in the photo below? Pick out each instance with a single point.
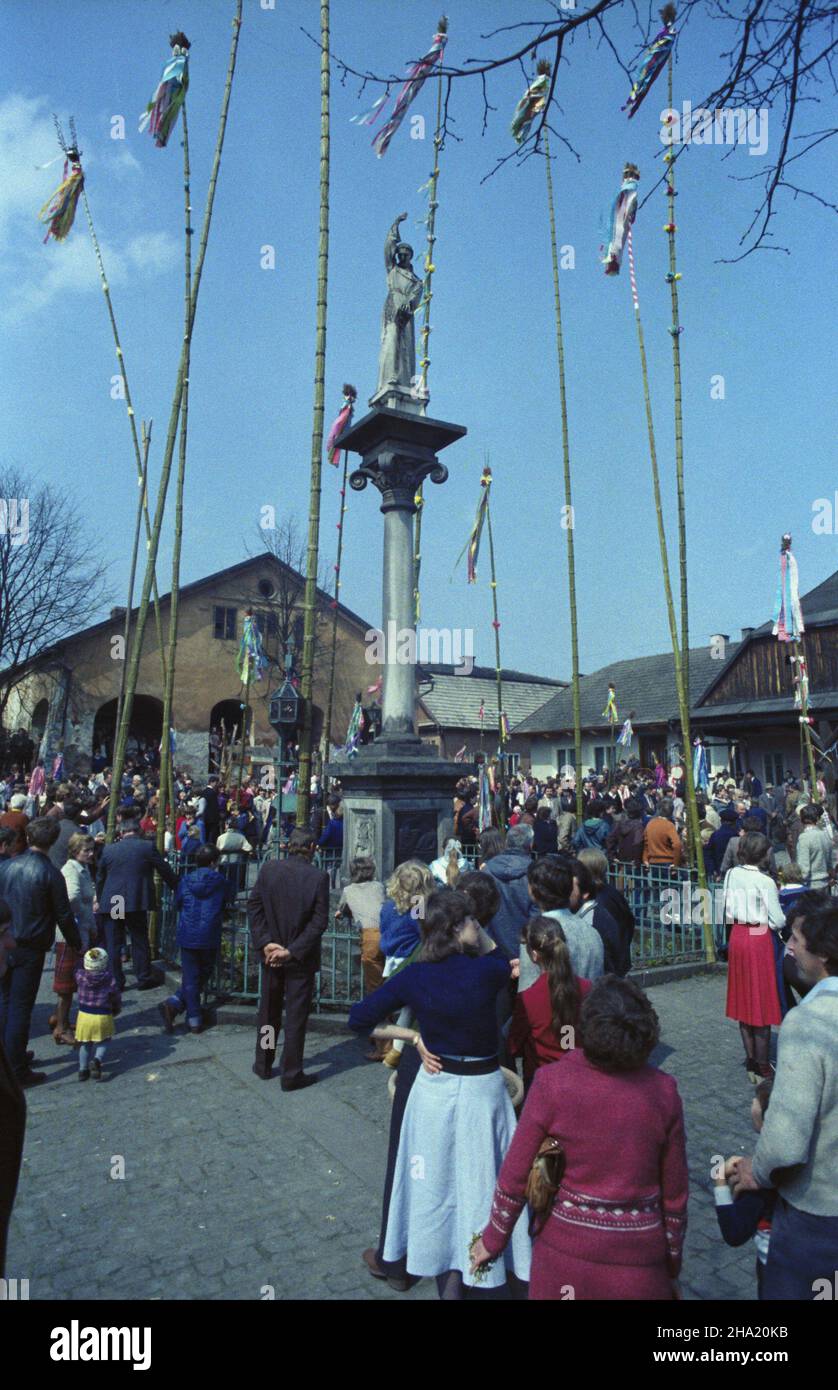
(756, 461)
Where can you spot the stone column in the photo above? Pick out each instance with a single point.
(398, 620)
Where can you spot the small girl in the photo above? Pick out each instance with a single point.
(407, 890)
(99, 1002)
(545, 1016)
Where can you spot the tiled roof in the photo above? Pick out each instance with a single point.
(453, 702)
(645, 685)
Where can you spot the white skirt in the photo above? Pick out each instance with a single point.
(455, 1134)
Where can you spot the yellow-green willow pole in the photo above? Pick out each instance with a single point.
(132, 422)
(142, 505)
(675, 330)
(496, 626)
(327, 726)
(310, 599)
(425, 332)
(154, 542)
(681, 691)
(569, 517)
(166, 789)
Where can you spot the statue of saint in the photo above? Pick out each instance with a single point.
(397, 359)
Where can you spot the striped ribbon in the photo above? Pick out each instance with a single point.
(631, 273)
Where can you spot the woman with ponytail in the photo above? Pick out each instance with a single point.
(546, 1015)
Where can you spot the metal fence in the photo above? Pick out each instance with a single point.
(666, 904)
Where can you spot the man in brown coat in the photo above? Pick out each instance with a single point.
(288, 911)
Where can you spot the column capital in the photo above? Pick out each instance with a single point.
(398, 476)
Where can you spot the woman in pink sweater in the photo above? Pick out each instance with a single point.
(617, 1225)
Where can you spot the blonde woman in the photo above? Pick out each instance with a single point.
(400, 923)
(450, 864)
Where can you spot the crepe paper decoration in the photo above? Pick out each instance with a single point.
(342, 422)
(800, 677)
(610, 711)
(161, 113)
(505, 731)
(676, 330)
(58, 767)
(623, 213)
(60, 210)
(532, 103)
(473, 543)
(484, 799)
(414, 82)
(654, 61)
(459, 756)
(701, 777)
(788, 616)
(356, 728)
(626, 734)
(250, 661)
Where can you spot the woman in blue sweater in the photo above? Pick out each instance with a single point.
(459, 1121)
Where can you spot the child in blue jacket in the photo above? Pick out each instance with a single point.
(750, 1213)
(200, 899)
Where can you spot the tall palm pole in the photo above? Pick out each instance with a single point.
(675, 330)
(310, 599)
(680, 687)
(330, 703)
(166, 762)
(138, 458)
(568, 497)
(154, 541)
(425, 331)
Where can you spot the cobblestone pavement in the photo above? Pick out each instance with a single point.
(234, 1189)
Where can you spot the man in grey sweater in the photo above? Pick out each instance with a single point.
(798, 1147)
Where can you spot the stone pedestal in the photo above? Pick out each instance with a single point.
(397, 791)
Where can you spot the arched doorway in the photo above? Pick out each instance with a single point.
(225, 733)
(144, 732)
(39, 720)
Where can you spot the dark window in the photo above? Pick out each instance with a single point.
(565, 757)
(224, 624)
(268, 624)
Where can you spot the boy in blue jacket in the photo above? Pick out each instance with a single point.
(750, 1213)
(200, 899)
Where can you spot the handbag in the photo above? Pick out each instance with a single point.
(543, 1183)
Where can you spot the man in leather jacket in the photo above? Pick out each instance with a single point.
(36, 895)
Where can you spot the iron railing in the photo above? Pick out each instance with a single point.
(665, 901)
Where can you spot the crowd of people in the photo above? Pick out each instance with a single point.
(58, 875)
(534, 1149)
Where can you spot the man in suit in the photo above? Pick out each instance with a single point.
(36, 896)
(125, 892)
(288, 910)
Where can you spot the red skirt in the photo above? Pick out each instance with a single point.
(751, 977)
(555, 1276)
(66, 960)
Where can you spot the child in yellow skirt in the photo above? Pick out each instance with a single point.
(99, 1002)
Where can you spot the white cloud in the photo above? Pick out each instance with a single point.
(27, 139)
(153, 252)
(35, 273)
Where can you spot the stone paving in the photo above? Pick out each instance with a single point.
(234, 1189)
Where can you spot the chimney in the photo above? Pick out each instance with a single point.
(118, 612)
(746, 632)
